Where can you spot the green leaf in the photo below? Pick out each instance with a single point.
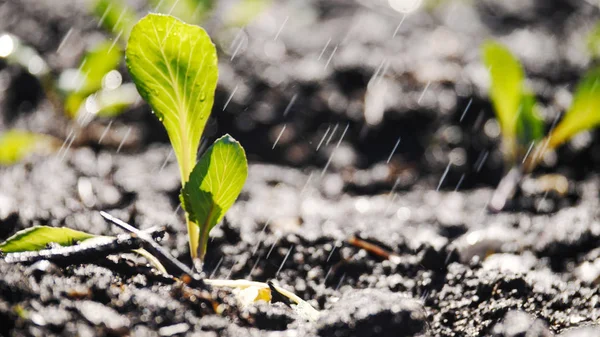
(97, 63)
(584, 113)
(15, 145)
(115, 16)
(506, 88)
(174, 66)
(38, 238)
(112, 102)
(88, 79)
(214, 185)
(244, 11)
(530, 127)
(593, 41)
(186, 10)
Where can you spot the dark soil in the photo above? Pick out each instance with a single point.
(459, 271)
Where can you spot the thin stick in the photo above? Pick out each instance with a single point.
(374, 249)
(506, 189)
(172, 265)
(81, 253)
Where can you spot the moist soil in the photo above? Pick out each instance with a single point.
(456, 269)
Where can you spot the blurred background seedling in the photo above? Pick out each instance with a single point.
(524, 142)
(96, 88)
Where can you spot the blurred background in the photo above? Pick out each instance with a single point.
(389, 93)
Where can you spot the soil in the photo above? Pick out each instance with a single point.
(457, 270)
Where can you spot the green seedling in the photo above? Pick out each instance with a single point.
(40, 237)
(75, 86)
(593, 41)
(80, 84)
(115, 16)
(96, 88)
(187, 10)
(513, 103)
(93, 89)
(16, 145)
(244, 11)
(118, 18)
(524, 144)
(174, 66)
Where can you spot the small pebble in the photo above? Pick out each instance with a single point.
(173, 329)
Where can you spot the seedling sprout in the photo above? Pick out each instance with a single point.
(174, 66)
(524, 144)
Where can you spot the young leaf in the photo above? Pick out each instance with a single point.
(38, 237)
(584, 112)
(506, 89)
(115, 16)
(94, 66)
(174, 66)
(15, 145)
(530, 127)
(214, 185)
(594, 41)
(244, 11)
(112, 102)
(187, 10)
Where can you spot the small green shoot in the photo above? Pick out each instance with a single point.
(16, 145)
(519, 122)
(115, 16)
(530, 127)
(514, 105)
(584, 113)
(593, 41)
(38, 237)
(186, 10)
(244, 11)
(87, 80)
(214, 184)
(174, 66)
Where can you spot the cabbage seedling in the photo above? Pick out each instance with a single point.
(174, 66)
(523, 138)
(16, 145)
(513, 103)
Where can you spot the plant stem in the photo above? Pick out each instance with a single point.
(532, 161)
(374, 249)
(506, 189)
(171, 264)
(193, 232)
(203, 240)
(202, 243)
